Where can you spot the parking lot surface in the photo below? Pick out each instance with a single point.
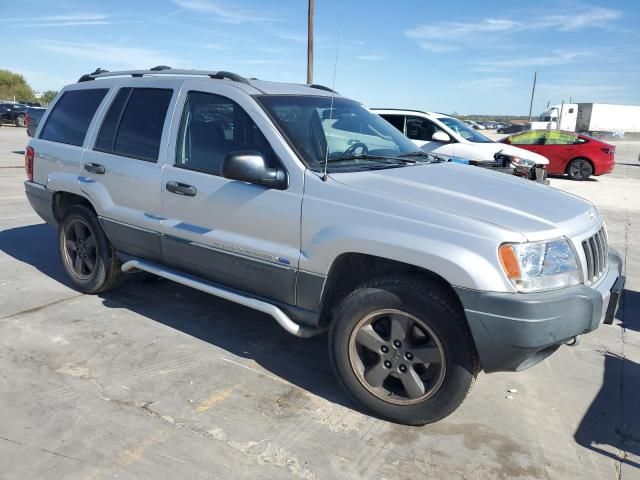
(155, 380)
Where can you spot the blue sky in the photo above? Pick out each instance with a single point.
(469, 57)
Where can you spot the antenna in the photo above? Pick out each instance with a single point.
(333, 90)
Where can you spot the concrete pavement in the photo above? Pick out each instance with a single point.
(154, 380)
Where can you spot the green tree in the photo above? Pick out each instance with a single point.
(14, 85)
(48, 96)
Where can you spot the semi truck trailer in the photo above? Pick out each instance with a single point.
(590, 118)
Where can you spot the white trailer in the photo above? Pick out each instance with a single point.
(590, 117)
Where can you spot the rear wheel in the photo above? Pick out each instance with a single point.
(20, 122)
(87, 255)
(579, 169)
(402, 350)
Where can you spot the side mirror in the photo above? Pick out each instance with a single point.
(440, 136)
(250, 166)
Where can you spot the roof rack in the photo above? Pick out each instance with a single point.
(163, 70)
(321, 87)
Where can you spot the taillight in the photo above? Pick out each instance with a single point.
(606, 150)
(29, 154)
(26, 119)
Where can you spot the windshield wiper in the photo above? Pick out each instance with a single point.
(383, 158)
(429, 157)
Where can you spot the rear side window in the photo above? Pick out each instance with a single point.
(69, 120)
(133, 125)
(395, 120)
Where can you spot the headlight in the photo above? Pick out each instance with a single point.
(537, 266)
(522, 162)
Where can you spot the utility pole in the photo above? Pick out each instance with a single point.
(310, 43)
(533, 91)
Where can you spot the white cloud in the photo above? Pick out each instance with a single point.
(445, 36)
(109, 56)
(69, 20)
(370, 58)
(224, 13)
(558, 57)
(595, 16)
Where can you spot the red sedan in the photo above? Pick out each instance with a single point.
(579, 156)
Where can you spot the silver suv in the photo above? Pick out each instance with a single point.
(297, 202)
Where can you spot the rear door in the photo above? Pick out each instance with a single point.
(122, 170)
(238, 234)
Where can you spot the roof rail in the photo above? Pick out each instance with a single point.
(321, 87)
(163, 70)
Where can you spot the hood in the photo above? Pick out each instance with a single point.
(538, 212)
(489, 149)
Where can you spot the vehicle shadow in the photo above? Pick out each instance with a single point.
(231, 327)
(612, 418)
(19, 152)
(630, 302)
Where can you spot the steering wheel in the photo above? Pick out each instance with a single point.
(351, 151)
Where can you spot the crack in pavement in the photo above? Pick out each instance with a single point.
(41, 307)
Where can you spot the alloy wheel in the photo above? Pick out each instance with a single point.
(580, 169)
(397, 357)
(80, 248)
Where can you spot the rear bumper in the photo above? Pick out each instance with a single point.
(41, 200)
(514, 331)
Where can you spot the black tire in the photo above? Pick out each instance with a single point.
(90, 262)
(579, 169)
(436, 308)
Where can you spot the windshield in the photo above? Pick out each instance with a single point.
(355, 138)
(464, 130)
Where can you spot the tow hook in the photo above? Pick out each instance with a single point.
(574, 342)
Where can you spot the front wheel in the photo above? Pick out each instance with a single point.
(87, 255)
(401, 348)
(579, 169)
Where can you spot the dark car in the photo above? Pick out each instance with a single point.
(32, 119)
(576, 155)
(13, 113)
(511, 128)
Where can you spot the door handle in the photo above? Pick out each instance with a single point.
(181, 189)
(94, 168)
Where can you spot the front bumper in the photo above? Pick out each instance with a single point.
(514, 331)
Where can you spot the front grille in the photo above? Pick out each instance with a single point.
(596, 251)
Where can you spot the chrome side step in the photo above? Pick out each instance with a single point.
(219, 291)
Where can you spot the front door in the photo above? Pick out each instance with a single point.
(241, 235)
(420, 130)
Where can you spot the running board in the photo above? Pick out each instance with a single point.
(219, 291)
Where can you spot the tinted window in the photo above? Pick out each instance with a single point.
(69, 120)
(107, 137)
(395, 120)
(212, 127)
(133, 125)
(140, 129)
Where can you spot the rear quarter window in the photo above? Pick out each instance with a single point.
(71, 116)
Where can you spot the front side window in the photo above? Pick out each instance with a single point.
(211, 128)
(342, 132)
(464, 130)
(133, 125)
(71, 116)
(420, 128)
(529, 138)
